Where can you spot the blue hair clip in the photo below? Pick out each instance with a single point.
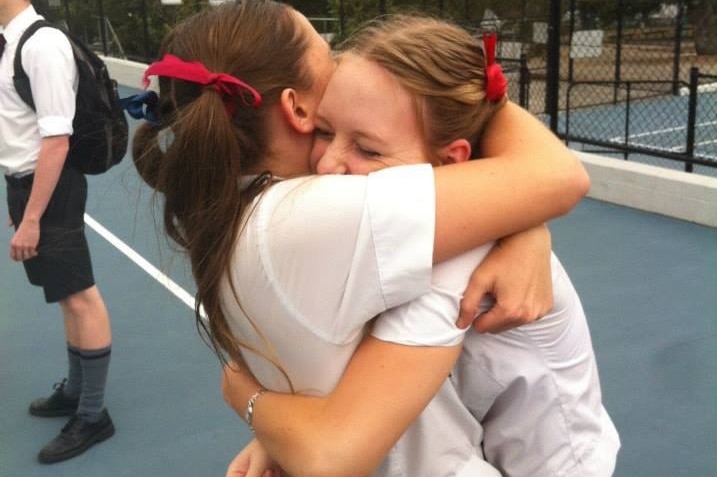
(142, 106)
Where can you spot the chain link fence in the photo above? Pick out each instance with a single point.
(636, 87)
(620, 77)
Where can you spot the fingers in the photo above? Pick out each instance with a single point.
(240, 466)
(474, 293)
(20, 252)
(497, 320)
(252, 461)
(502, 317)
(23, 245)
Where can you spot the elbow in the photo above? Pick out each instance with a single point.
(576, 186)
(332, 459)
(581, 182)
(329, 468)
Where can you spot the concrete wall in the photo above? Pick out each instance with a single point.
(682, 195)
(690, 197)
(125, 72)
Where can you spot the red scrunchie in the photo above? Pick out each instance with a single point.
(495, 82)
(228, 86)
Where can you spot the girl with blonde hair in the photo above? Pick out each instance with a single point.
(535, 388)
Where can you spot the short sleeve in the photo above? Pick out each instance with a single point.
(342, 249)
(429, 320)
(48, 60)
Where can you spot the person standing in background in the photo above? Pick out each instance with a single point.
(46, 201)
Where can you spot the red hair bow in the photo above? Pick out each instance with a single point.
(495, 82)
(228, 86)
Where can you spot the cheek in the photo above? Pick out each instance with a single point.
(358, 169)
(317, 152)
(360, 166)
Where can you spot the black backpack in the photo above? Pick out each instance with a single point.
(100, 131)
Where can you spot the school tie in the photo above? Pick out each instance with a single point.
(2, 44)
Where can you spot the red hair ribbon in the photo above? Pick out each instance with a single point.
(228, 86)
(495, 82)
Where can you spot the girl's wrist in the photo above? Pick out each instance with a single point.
(250, 407)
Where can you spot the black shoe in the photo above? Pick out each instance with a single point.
(76, 437)
(56, 405)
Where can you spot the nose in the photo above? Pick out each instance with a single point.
(331, 163)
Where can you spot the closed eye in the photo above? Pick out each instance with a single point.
(368, 153)
(323, 133)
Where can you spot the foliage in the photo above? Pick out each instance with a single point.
(141, 24)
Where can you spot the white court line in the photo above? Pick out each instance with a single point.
(700, 143)
(661, 131)
(151, 270)
(676, 148)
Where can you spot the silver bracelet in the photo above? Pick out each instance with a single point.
(250, 408)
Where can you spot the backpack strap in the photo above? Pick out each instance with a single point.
(20, 78)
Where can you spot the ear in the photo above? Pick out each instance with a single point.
(295, 112)
(457, 151)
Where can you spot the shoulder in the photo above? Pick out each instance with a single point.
(47, 40)
(403, 191)
(322, 195)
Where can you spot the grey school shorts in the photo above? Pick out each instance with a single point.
(62, 266)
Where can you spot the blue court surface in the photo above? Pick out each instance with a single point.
(648, 284)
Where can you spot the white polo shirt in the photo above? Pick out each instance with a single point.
(317, 259)
(48, 61)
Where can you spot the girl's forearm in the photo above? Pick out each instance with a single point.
(350, 431)
(527, 177)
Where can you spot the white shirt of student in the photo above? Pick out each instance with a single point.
(49, 63)
(535, 388)
(317, 259)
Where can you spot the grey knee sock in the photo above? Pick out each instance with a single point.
(95, 364)
(74, 373)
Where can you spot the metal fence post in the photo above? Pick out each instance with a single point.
(678, 48)
(524, 82)
(618, 49)
(552, 86)
(573, 8)
(66, 4)
(692, 117)
(145, 29)
(625, 152)
(103, 31)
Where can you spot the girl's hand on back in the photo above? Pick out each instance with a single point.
(253, 461)
(517, 274)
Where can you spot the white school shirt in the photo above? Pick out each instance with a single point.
(535, 388)
(316, 259)
(49, 63)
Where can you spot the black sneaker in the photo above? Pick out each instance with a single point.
(76, 437)
(56, 405)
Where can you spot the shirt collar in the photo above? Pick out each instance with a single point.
(20, 23)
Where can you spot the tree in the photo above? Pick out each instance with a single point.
(703, 17)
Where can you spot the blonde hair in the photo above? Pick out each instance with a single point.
(438, 62)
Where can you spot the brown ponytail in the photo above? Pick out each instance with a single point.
(198, 167)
